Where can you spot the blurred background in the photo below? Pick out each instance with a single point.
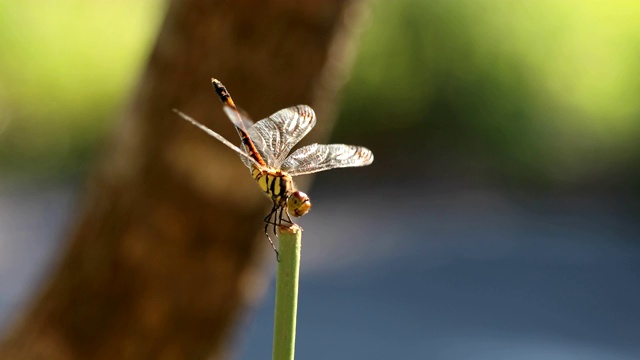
(498, 221)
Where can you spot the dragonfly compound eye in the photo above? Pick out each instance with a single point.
(298, 204)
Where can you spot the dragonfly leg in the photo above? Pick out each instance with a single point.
(288, 218)
(268, 222)
(266, 233)
(267, 218)
(276, 221)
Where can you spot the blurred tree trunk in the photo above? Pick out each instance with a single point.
(161, 260)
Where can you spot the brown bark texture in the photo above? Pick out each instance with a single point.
(162, 257)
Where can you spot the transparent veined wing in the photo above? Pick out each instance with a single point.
(243, 155)
(280, 132)
(259, 143)
(231, 114)
(315, 157)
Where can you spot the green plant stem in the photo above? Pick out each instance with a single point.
(284, 332)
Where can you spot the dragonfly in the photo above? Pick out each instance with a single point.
(264, 149)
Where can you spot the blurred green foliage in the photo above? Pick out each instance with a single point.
(528, 90)
(65, 71)
(544, 90)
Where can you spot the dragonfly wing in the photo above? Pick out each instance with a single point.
(231, 114)
(315, 157)
(258, 141)
(248, 160)
(281, 131)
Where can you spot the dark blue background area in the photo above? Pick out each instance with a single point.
(465, 274)
(497, 280)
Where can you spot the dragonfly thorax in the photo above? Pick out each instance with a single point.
(278, 186)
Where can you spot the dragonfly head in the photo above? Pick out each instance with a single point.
(298, 204)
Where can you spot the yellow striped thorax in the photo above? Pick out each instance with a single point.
(278, 185)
